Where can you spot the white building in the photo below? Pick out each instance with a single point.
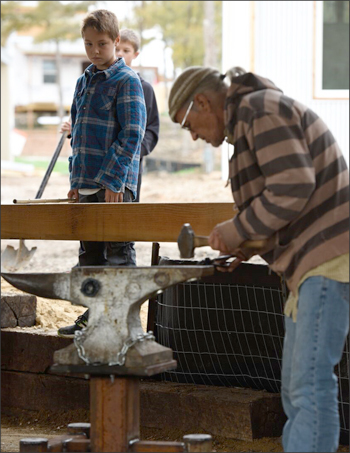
(303, 47)
(6, 110)
(34, 85)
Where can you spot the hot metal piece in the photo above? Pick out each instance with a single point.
(114, 295)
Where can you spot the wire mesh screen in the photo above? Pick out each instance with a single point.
(228, 330)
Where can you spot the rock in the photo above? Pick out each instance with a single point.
(18, 310)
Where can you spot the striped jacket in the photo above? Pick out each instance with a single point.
(289, 179)
(108, 124)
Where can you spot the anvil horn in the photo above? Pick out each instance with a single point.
(51, 286)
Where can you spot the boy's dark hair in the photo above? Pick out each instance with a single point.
(130, 36)
(103, 21)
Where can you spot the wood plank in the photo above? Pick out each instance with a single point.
(233, 413)
(39, 392)
(18, 310)
(19, 350)
(230, 413)
(154, 446)
(148, 222)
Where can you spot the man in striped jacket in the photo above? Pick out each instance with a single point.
(290, 183)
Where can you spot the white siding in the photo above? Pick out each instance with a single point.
(32, 87)
(5, 113)
(27, 70)
(277, 42)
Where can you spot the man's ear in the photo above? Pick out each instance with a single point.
(116, 42)
(203, 102)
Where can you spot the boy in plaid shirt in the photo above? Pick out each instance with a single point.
(108, 117)
(108, 124)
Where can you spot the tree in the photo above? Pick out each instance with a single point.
(55, 21)
(181, 24)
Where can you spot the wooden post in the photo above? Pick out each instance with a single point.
(152, 303)
(32, 444)
(77, 445)
(114, 413)
(198, 442)
(79, 428)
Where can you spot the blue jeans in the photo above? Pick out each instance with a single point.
(106, 253)
(312, 347)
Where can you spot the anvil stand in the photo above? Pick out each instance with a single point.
(114, 296)
(114, 424)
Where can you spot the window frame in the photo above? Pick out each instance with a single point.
(318, 91)
(52, 72)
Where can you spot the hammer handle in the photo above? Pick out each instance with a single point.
(201, 241)
(259, 244)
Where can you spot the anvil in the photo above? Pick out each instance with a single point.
(114, 338)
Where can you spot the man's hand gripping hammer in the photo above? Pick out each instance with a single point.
(187, 242)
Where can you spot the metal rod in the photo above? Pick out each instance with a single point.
(51, 165)
(47, 200)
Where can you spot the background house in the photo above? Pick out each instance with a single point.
(30, 94)
(303, 47)
(6, 110)
(34, 74)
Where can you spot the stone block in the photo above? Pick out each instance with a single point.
(18, 310)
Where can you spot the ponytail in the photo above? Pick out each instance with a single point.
(236, 71)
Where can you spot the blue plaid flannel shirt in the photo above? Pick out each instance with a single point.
(108, 124)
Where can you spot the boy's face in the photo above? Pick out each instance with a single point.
(99, 48)
(125, 49)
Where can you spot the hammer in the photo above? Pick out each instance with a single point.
(187, 242)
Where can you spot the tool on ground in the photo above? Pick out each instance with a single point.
(188, 241)
(13, 259)
(113, 351)
(45, 200)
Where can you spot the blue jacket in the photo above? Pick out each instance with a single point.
(108, 124)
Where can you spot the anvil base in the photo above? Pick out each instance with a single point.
(105, 370)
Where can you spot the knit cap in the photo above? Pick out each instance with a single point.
(185, 85)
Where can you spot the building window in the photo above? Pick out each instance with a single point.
(331, 70)
(49, 71)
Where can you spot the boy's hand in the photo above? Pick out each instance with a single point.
(73, 193)
(66, 126)
(113, 197)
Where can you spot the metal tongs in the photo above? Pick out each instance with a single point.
(220, 261)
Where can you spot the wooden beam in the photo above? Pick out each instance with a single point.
(146, 222)
(114, 413)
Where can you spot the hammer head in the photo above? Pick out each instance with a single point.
(185, 241)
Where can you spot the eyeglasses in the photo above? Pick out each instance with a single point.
(185, 117)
